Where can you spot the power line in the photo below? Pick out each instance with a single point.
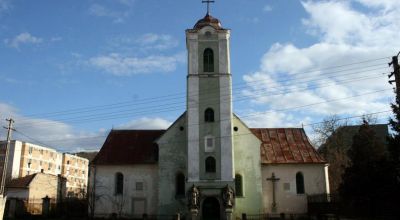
(218, 137)
(182, 95)
(250, 115)
(166, 107)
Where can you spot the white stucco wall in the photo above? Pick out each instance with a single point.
(288, 201)
(109, 203)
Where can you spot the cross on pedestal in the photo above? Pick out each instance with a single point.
(208, 4)
(273, 179)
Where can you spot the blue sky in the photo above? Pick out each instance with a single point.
(72, 70)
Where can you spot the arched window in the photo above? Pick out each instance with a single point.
(119, 183)
(238, 185)
(180, 184)
(208, 60)
(210, 165)
(300, 183)
(209, 115)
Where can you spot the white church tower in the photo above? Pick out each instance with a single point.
(209, 105)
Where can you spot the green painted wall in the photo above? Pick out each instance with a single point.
(248, 165)
(172, 160)
(209, 98)
(214, 46)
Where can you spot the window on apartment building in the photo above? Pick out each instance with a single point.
(51, 154)
(41, 151)
(59, 167)
(30, 150)
(67, 161)
(83, 172)
(49, 166)
(119, 183)
(40, 163)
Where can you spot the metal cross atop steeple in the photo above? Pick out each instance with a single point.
(208, 4)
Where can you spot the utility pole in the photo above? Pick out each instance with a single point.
(396, 73)
(4, 175)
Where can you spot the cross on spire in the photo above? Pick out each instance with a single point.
(208, 4)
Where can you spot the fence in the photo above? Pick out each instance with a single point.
(270, 216)
(358, 207)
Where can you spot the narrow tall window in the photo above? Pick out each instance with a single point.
(209, 115)
(300, 183)
(119, 183)
(210, 165)
(208, 60)
(238, 185)
(180, 184)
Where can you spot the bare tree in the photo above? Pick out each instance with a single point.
(118, 202)
(334, 137)
(92, 196)
(331, 140)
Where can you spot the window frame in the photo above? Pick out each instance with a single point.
(300, 187)
(239, 190)
(209, 115)
(119, 183)
(208, 60)
(180, 184)
(210, 165)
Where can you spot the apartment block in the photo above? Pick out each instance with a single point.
(26, 159)
(75, 170)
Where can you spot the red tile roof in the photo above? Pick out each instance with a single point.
(22, 182)
(129, 147)
(286, 145)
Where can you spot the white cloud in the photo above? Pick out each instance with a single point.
(117, 12)
(121, 65)
(5, 5)
(267, 8)
(50, 133)
(157, 41)
(23, 38)
(292, 76)
(273, 119)
(55, 39)
(146, 43)
(146, 123)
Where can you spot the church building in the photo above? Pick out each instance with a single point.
(208, 164)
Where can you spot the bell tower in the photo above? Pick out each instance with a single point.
(209, 103)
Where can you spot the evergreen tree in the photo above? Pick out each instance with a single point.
(394, 140)
(364, 181)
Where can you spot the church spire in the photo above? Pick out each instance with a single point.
(208, 5)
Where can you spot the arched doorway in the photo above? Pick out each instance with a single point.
(211, 209)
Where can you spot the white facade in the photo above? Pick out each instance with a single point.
(287, 198)
(139, 190)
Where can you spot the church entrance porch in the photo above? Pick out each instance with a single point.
(211, 209)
